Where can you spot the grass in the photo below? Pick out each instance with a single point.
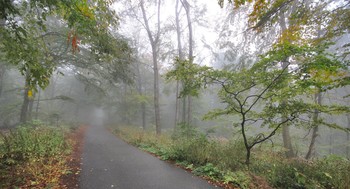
(223, 161)
(33, 156)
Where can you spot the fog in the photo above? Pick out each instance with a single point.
(119, 90)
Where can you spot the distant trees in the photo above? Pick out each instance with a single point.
(154, 38)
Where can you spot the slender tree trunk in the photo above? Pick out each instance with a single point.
(143, 109)
(30, 108)
(184, 110)
(330, 150)
(2, 66)
(245, 139)
(38, 104)
(187, 7)
(53, 82)
(140, 91)
(189, 110)
(318, 100)
(154, 40)
(176, 104)
(311, 151)
(25, 106)
(287, 140)
(156, 92)
(2, 73)
(180, 53)
(125, 106)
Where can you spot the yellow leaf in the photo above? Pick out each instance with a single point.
(30, 94)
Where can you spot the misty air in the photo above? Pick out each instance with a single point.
(181, 94)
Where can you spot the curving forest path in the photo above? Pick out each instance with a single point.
(108, 162)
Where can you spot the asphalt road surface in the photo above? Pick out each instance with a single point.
(109, 162)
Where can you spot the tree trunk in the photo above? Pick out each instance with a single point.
(184, 110)
(180, 54)
(37, 104)
(2, 66)
(287, 140)
(24, 109)
(176, 104)
(189, 110)
(143, 109)
(30, 108)
(140, 91)
(330, 150)
(25, 106)
(190, 53)
(53, 82)
(156, 92)
(154, 40)
(311, 152)
(318, 100)
(2, 73)
(245, 139)
(126, 118)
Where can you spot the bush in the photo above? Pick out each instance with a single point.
(208, 170)
(184, 130)
(193, 150)
(29, 142)
(33, 156)
(332, 172)
(297, 173)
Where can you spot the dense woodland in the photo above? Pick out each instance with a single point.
(249, 93)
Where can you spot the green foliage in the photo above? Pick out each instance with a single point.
(271, 89)
(208, 170)
(239, 178)
(33, 156)
(27, 142)
(24, 44)
(184, 130)
(196, 150)
(329, 172)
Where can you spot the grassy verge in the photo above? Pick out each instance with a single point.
(222, 161)
(33, 156)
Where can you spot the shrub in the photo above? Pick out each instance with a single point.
(332, 172)
(208, 170)
(28, 142)
(184, 130)
(33, 156)
(238, 178)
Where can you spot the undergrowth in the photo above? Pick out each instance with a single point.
(223, 161)
(33, 156)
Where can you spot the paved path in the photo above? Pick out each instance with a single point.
(108, 162)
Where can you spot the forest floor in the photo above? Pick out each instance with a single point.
(109, 162)
(71, 181)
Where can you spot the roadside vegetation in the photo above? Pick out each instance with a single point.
(223, 161)
(34, 155)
